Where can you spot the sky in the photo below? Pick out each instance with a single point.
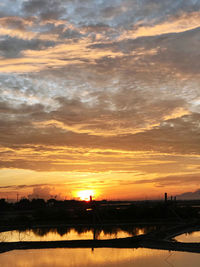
(100, 95)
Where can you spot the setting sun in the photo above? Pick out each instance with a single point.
(85, 194)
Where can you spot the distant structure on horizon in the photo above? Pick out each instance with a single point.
(165, 197)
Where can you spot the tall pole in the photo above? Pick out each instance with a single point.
(93, 217)
(165, 197)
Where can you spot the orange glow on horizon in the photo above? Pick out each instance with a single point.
(85, 194)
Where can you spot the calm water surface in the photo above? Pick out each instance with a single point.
(101, 257)
(189, 237)
(64, 233)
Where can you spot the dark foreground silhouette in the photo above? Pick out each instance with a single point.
(39, 211)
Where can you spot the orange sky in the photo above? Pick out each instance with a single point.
(99, 95)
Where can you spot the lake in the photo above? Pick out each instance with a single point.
(189, 237)
(73, 233)
(101, 257)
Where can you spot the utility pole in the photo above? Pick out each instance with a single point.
(165, 197)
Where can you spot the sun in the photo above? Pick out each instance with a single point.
(85, 194)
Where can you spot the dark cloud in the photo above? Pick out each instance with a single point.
(23, 109)
(126, 13)
(177, 51)
(46, 10)
(190, 195)
(125, 120)
(15, 22)
(14, 187)
(173, 180)
(117, 107)
(13, 47)
(180, 51)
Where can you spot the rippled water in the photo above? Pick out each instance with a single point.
(101, 257)
(189, 237)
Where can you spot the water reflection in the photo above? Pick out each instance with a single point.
(74, 233)
(102, 257)
(189, 237)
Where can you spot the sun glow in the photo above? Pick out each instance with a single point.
(85, 194)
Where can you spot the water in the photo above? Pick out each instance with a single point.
(101, 257)
(70, 233)
(189, 237)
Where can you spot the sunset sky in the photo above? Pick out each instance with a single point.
(100, 95)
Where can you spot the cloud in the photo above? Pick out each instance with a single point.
(13, 47)
(190, 195)
(124, 120)
(56, 57)
(15, 26)
(44, 9)
(15, 187)
(118, 108)
(90, 43)
(52, 148)
(95, 86)
(127, 111)
(10, 7)
(173, 180)
(181, 23)
(43, 192)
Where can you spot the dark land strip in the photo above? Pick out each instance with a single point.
(132, 242)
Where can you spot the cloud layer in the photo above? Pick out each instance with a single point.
(101, 86)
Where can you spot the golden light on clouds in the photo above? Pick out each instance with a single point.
(178, 24)
(100, 96)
